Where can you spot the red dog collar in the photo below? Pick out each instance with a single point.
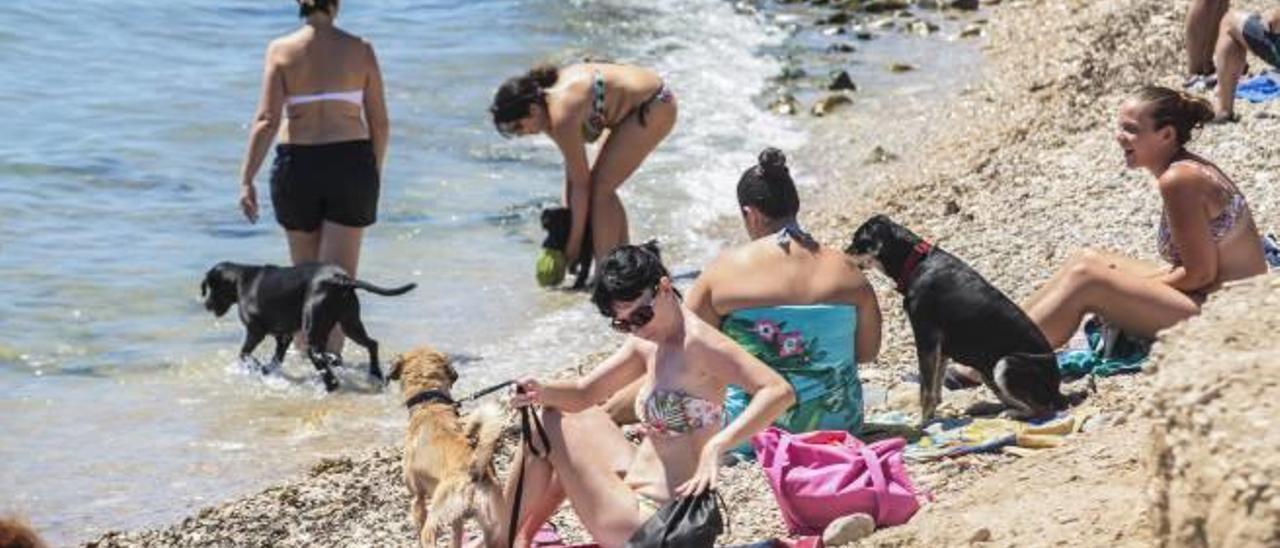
(918, 252)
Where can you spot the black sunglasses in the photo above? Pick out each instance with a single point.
(639, 317)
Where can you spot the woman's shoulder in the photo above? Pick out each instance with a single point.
(1185, 178)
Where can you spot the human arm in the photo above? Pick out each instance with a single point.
(266, 121)
(867, 331)
(1182, 191)
(700, 300)
(771, 395)
(567, 134)
(375, 108)
(573, 395)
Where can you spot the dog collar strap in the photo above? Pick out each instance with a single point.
(428, 396)
(918, 252)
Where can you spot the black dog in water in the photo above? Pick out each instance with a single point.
(957, 314)
(280, 301)
(558, 221)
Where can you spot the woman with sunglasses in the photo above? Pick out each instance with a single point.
(801, 307)
(684, 366)
(628, 109)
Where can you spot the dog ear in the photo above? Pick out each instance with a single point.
(397, 366)
(204, 287)
(453, 373)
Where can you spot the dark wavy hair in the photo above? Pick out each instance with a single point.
(514, 97)
(626, 273)
(767, 186)
(308, 7)
(1183, 111)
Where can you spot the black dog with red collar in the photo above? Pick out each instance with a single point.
(955, 313)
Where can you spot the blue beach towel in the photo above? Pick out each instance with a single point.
(813, 348)
(1271, 250)
(1263, 87)
(1103, 357)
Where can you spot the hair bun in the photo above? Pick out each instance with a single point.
(773, 161)
(1196, 108)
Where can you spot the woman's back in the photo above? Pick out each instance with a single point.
(326, 72)
(772, 272)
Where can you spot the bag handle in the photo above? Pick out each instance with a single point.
(777, 480)
(879, 487)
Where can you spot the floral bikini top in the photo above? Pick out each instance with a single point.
(1219, 226)
(671, 413)
(594, 125)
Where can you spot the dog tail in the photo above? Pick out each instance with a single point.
(472, 494)
(361, 284)
(484, 426)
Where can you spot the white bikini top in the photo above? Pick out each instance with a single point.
(355, 97)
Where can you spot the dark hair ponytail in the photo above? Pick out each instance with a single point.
(767, 186)
(626, 273)
(308, 7)
(514, 97)
(1175, 108)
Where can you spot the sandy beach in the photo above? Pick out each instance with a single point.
(1013, 176)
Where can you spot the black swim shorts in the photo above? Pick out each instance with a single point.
(336, 182)
(1262, 42)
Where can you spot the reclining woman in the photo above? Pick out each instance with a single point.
(1206, 234)
(574, 105)
(801, 307)
(684, 366)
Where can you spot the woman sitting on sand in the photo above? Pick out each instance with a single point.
(326, 177)
(1206, 234)
(684, 365)
(575, 105)
(779, 294)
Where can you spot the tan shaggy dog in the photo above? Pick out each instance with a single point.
(448, 459)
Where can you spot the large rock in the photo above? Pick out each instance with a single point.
(1214, 452)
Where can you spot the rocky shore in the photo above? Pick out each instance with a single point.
(1013, 176)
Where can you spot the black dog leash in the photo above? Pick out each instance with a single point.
(434, 395)
(529, 422)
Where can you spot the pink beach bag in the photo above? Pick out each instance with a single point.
(823, 475)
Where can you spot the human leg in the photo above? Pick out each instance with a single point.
(1088, 283)
(590, 456)
(621, 407)
(1229, 56)
(340, 244)
(1203, 18)
(627, 146)
(541, 495)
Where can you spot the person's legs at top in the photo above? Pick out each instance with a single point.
(627, 146)
(1230, 57)
(340, 244)
(1201, 33)
(590, 455)
(1141, 305)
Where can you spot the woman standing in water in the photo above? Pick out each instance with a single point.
(575, 105)
(326, 174)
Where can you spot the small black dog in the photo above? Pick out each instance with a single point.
(280, 301)
(957, 314)
(558, 221)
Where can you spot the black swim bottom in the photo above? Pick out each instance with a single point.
(1261, 41)
(336, 182)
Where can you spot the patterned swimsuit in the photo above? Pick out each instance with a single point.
(595, 124)
(1219, 226)
(671, 413)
